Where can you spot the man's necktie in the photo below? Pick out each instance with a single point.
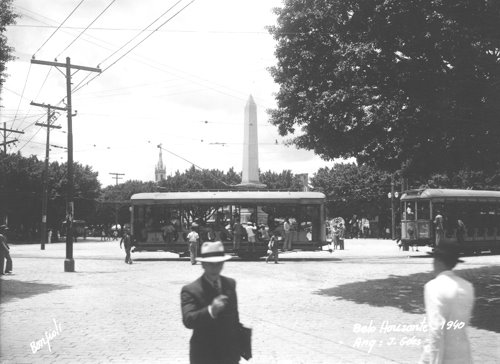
(216, 286)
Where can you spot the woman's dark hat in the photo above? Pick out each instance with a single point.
(448, 251)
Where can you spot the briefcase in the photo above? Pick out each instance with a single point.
(245, 341)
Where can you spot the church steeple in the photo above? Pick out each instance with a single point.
(160, 170)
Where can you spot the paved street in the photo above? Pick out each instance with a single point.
(313, 307)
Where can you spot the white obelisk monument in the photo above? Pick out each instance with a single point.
(250, 173)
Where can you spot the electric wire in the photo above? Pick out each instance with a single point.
(136, 29)
(77, 87)
(143, 60)
(192, 78)
(36, 97)
(135, 46)
(88, 26)
(195, 165)
(55, 31)
(21, 96)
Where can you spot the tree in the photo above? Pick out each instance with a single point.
(21, 192)
(281, 181)
(411, 85)
(463, 179)
(7, 17)
(195, 179)
(86, 190)
(352, 189)
(115, 200)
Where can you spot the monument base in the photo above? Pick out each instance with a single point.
(250, 186)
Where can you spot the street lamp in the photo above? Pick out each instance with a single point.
(391, 195)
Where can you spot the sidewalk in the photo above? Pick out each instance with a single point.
(310, 308)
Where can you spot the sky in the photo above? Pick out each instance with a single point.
(183, 86)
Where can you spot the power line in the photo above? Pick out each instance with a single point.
(38, 93)
(195, 165)
(127, 43)
(151, 30)
(55, 31)
(88, 26)
(21, 96)
(144, 39)
(141, 59)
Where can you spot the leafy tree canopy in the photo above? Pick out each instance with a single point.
(463, 179)
(195, 179)
(7, 17)
(352, 189)
(411, 85)
(285, 180)
(21, 191)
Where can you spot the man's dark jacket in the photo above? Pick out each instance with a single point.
(214, 341)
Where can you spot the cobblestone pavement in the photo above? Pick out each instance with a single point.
(313, 307)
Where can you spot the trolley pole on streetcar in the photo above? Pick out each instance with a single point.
(69, 263)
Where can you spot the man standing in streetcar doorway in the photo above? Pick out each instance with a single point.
(210, 307)
(438, 224)
(449, 300)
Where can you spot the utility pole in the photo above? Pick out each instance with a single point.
(4, 132)
(69, 263)
(45, 193)
(117, 177)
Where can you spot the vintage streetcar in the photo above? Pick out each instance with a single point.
(160, 221)
(478, 210)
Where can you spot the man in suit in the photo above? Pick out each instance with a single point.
(210, 308)
(4, 251)
(449, 300)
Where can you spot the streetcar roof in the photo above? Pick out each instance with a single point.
(200, 197)
(450, 194)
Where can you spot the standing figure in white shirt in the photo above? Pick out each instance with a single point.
(449, 300)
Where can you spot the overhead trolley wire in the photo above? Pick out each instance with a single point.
(200, 168)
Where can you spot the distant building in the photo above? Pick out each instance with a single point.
(160, 170)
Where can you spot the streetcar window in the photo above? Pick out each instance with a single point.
(423, 210)
(409, 210)
(469, 218)
(490, 219)
(450, 217)
(497, 219)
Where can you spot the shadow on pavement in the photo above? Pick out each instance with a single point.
(13, 289)
(406, 293)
